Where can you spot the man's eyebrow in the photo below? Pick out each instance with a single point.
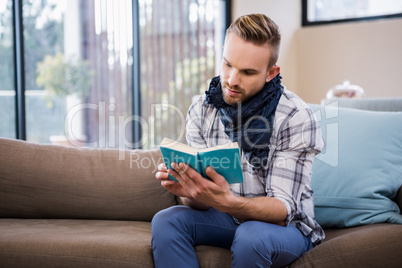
(249, 70)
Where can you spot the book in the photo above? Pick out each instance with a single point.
(225, 159)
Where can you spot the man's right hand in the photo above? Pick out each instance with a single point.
(177, 189)
(172, 186)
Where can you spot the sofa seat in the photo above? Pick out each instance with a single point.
(74, 243)
(109, 243)
(360, 246)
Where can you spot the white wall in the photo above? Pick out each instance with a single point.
(314, 59)
(369, 54)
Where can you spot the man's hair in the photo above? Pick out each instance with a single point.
(259, 30)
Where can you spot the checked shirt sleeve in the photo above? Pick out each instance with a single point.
(299, 139)
(194, 125)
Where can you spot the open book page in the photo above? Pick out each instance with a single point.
(220, 147)
(169, 143)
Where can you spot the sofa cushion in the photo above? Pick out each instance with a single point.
(75, 243)
(357, 176)
(48, 181)
(375, 245)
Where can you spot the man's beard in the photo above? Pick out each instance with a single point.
(240, 97)
(231, 100)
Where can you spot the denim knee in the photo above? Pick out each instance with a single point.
(247, 238)
(258, 244)
(165, 220)
(171, 244)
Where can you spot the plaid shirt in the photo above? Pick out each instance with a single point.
(295, 140)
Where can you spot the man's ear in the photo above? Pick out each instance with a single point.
(274, 71)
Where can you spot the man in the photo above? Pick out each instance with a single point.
(268, 220)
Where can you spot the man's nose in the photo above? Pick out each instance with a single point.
(234, 79)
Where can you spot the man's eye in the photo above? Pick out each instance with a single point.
(248, 73)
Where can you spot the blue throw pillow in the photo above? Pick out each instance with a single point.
(357, 176)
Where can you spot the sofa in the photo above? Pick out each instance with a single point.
(92, 207)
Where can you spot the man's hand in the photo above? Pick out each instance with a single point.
(176, 187)
(172, 186)
(215, 192)
(195, 190)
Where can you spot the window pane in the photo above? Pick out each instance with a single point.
(107, 42)
(181, 42)
(77, 70)
(7, 90)
(47, 67)
(327, 10)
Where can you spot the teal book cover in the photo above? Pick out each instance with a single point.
(225, 159)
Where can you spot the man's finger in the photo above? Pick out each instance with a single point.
(162, 167)
(167, 183)
(186, 179)
(162, 175)
(181, 170)
(214, 176)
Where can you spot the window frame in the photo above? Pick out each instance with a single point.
(19, 63)
(306, 22)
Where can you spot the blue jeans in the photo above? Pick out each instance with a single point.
(176, 230)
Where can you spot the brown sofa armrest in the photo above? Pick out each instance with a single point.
(399, 199)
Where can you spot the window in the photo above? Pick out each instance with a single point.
(316, 12)
(75, 69)
(7, 92)
(181, 42)
(104, 73)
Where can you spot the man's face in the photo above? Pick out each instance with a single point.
(244, 69)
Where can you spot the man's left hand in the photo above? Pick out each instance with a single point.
(215, 192)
